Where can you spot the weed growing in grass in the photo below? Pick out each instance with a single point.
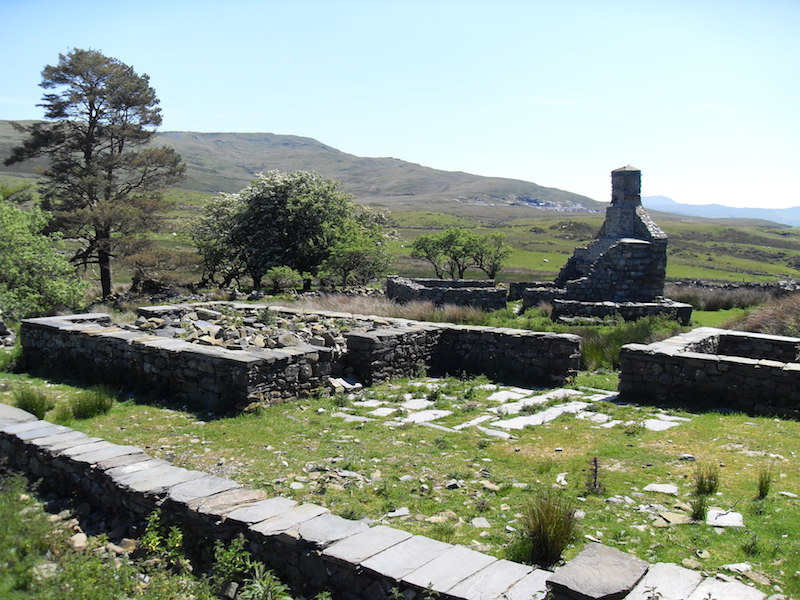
(231, 563)
(33, 400)
(594, 483)
(95, 401)
(706, 479)
(444, 531)
(764, 482)
(699, 508)
(751, 547)
(549, 524)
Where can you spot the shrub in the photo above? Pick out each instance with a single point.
(706, 479)
(263, 585)
(714, 298)
(549, 524)
(33, 400)
(283, 277)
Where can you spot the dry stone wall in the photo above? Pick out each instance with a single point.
(222, 379)
(314, 550)
(461, 292)
(712, 368)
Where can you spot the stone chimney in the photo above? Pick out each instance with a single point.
(626, 186)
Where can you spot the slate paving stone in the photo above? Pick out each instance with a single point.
(352, 418)
(670, 581)
(495, 433)
(505, 396)
(407, 556)
(106, 454)
(290, 519)
(658, 424)
(473, 422)
(361, 546)
(121, 461)
(545, 416)
(448, 569)
(384, 411)
(60, 446)
(327, 529)
(598, 573)
(262, 510)
(531, 587)
(662, 488)
(424, 416)
(716, 589)
(491, 582)
(120, 474)
(416, 404)
(201, 488)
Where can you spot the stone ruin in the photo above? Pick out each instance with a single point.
(621, 272)
(480, 293)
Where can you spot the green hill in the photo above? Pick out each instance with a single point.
(226, 162)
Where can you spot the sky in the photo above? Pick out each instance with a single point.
(701, 95)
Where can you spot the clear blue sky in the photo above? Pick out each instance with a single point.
(702, 95)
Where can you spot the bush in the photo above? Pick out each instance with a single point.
(33, 400)
(549, 525)
(699, 508)
(282, 278)
(764, 483)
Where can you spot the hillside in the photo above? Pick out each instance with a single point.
(226, 162)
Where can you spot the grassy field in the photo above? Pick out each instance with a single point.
(447, 479)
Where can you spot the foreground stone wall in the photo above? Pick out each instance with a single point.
(711, 368)
(314, 550)
(461, 292)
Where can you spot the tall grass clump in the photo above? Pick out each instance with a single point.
(33, 400)
(777, 317)
(764, 483)
(717, 298)
(97, 400)
(706, 479)
(549, 524)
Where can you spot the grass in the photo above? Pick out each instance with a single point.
(776, 317)
(548, 525)
(706, 479)
(302, 443)
(36, 401)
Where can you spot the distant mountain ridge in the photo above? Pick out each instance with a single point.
(227, 162)
(786, 216)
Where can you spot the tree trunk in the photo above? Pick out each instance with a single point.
(104, 260)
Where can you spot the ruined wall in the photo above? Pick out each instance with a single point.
(311, 549)
(461, 292)
(216, 379)
(694, 370)
(627, 261)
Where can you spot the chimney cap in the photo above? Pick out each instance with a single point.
(625, 168)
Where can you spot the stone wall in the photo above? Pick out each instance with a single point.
(761, 375)
(312, 549)
(461, 292)
(509, 355)
(629, 311)
(217, 379)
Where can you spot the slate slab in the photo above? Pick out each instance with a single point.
(121, 473)
(724, 518)
(288, 520)
(12, 413)
(671, 581)
(361, 546)
(597, 573)
(545, 416)
(425, 416)
(154, 482)
(59, 447)
(84, 448)
(449, 568)
(327, 529)
(226, 502)
(262, 510)
(107, 453)
(531, 587)
(200, 488)
(405, 557)
(491, 582)
(658, 424)
(712, 588)
(662, 488)
(20, 426)
(123, 460)
(67, 436)
(41, 432)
